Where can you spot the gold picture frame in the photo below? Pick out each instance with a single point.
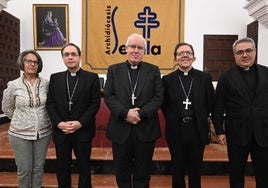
(50, 26)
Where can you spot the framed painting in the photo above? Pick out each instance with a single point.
(50, 26)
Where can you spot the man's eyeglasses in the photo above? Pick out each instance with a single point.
(30, 62)
(73, 54)
(248, 51)
(188, 53)
(133, 47)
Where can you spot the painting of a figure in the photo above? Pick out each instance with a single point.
(50, 26)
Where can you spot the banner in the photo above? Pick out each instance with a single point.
(108, 23)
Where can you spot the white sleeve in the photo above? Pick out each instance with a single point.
(8, 101)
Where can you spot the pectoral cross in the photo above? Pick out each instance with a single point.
(186, 102)
(133, 99)
(70, 105)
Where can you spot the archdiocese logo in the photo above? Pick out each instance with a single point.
(110, 22)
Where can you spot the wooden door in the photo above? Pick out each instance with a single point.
(252, 32)
(9, 50)
(218, 54)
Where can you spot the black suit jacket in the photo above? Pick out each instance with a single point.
(203, 98)
(244, 117)
(86, 102)
(117, 96)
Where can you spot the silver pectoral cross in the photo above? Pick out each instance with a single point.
(133, 99)
(187, 103)
(70, 105)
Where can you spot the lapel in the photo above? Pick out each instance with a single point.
(239, 83)
(79, 87)
(176, 88)
(124, 78)
(196, 86)
(261, 78)
(198, 89)
(62, 87)
(143, 73)
(175, 83)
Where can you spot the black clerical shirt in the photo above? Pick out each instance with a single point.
(250, 76)
(186, 81)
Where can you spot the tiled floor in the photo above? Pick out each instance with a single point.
(108, 181)
(213, 152)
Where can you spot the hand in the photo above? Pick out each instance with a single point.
(133, 116)
(69, 126)
(222, 139)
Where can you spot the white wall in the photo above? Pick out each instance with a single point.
(22, 9)
(213, 17)
(201, 17)
(262, 45)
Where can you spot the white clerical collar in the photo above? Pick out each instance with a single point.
(185, 72)
(246, 69)
(133, 66)
(73, 73)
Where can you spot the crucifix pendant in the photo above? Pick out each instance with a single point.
(187, 103)
(133, 99)
(70, 105)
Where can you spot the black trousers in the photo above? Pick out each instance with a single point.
(238, 156)
(82, 151)
(133, 162)
(187, 158)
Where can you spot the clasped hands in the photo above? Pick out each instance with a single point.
(69, 126)
(133, 116)
(222, 139)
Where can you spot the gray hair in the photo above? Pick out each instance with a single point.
(138, 36)
(246, 39)
(20, 60)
